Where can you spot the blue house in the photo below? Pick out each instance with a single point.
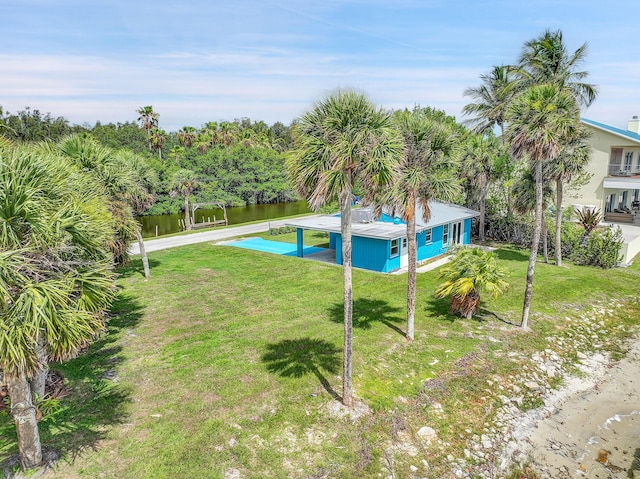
(381, 245)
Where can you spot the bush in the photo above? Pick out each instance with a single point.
(281, 231)
(602, 248)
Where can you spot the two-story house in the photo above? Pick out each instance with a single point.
(614, 186)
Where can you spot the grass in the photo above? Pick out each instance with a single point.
(226, 360)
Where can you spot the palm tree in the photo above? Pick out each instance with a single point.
(56, 278)
(540, 121)
(426, 172)
(184, 182)
(491, 100)
(546, 59)
(479, 155)
(138, 193)
(571, 161)
(148, 118)
(101, 163)
(157, 138)
(186, 136)
(523, 194)
(470, 271)
(342, 141)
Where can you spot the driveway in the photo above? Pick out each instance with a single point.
(156, 244)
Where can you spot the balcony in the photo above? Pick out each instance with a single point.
(620, 170)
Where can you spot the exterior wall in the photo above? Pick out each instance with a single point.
(467, 231)
(374, 254)
(369, 253)
(593, 192)
(429, 250)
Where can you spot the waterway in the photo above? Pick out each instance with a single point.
(159, 225)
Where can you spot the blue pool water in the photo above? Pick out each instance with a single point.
(274, 247)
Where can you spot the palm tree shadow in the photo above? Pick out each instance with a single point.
(368, 311)
(299, 357)
(135, 268)
(439, 308)
(95, 399)
(485, 313)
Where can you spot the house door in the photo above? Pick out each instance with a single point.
(457, 233)
(404, 254)
(610, 204)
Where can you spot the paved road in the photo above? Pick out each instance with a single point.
(211, 235)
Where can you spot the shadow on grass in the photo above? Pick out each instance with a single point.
(135, 267)
(95, 401)
(299, 357)
(368, 311)
(511, 255)
(439, 309)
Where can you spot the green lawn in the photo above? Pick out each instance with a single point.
(226, 359)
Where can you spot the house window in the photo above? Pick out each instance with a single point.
(404, 243)
(445, 235)
(628, 160)
(395, 247)
(428, 236)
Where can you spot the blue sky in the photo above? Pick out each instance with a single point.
(207, 60)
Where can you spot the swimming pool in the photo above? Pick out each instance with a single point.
(274, 247)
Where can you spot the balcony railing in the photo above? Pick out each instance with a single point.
(619, 170)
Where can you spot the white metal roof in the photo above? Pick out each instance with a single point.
(441, 213)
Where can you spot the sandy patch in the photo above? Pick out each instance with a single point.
(593, 430)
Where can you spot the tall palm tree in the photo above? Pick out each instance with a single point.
(426, 172)
(470, 271)
(491, 100)
(139, 193)
(540, 121)
(546, 59)
(56, 278)
(571, 161)
(343, 140)
(184, 183)
(148, 118)
(479, 154)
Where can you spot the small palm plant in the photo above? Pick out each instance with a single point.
(589, 218)
(470, 271)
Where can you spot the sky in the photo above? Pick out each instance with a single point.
(196, 61)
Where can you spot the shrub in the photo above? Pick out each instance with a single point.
(281, 231)
(602, 248)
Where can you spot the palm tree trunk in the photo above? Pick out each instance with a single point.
(558, 222)
(24, 415)
(143, 254)
(412, 267)
(483, 205)
(187, 214)
(534, 248)
(545, 241)
(345, 226)
(38, 382)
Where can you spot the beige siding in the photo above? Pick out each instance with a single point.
(593, 192)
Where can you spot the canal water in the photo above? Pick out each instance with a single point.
(167, 224)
